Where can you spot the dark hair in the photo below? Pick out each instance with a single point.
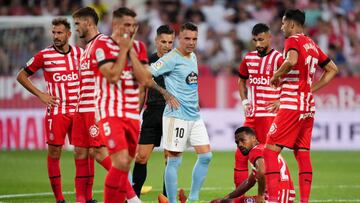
(296, 15)
(164, 29)
(260, 28)
(86, 12)
(123, 11)
(188, 26)
(245, 129)
(61, 21)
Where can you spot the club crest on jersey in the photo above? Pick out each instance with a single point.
(93, 131)
(30, 61)
(158, 64)
(249, 200)
(192, 79)
(100, 54)
(273, 129)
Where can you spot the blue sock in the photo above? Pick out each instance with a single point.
(171, 177)
(198, 175)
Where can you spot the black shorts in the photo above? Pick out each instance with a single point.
(151, 127)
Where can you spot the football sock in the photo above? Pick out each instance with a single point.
(272, 173)
(135, 199)
(115, 186)
(198, 175)
(305, 174)
(241, 168)
(53, 166)
(106, 163)
(90, 182)
(139, 177)
(164, 188)
(171, 177)
(81, 179)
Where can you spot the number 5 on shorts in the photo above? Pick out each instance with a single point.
(107, 129)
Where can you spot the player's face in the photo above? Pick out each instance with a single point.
(188, 40)
(164, 43)
(286, 27)
(124, 25)
(245, 142)
(81, 25)
(262, 42)
(60, 35)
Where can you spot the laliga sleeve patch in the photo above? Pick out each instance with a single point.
(158, 65)
(100, 54)
(30, 61)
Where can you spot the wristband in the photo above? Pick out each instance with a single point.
(245, 102)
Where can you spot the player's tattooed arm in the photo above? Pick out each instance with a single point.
(170, 99)
(242, 188)
(260, 177)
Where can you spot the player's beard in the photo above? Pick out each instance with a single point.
(59, 44)
(261, 51)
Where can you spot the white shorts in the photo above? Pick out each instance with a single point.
(180, 134)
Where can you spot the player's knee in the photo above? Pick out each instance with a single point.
(205, 158)
(54, 151)
(141, 158)
(80, 153)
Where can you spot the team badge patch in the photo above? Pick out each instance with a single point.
(30, 61)
(93, 131)
(273, 129)
(158, 65)
(100, 54)
(192, 79)
(249, 200)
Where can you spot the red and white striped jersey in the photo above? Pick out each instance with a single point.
(88, 71)
(120, 99)
(61, 75)
(258, 70)
(295, 86)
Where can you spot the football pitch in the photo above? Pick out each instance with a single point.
(23, 176)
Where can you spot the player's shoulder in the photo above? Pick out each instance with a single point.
(251, 55)
(171, 55)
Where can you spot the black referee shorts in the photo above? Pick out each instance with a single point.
(151, 127)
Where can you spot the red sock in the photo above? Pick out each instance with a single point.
(130, 193)
(241, 168)
(106, 163)
(55, 177)
(115, 186)
(272, 173)
(90, 182)
(305, 174)
(81, 179)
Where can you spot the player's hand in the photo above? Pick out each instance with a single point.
(49, 100)
(274, 82)
(248, 109)
(273, 106)
(171, 101)
(260, 199)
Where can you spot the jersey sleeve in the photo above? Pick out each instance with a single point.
(34, 64)
(254, 155)
(243, 70)
(105, 52)
(291, 43)
(164, 65)
(323, 58)
(143, 57)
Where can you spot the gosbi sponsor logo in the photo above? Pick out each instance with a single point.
(259, 80)
(57, 77)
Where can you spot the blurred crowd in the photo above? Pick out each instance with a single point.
(224, 27)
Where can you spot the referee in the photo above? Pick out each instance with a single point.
(151, 128)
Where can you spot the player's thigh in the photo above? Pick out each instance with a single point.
(176, 133)
(113, 131)
(198, 134)
(132, 132)
(262, 126)
(284, 129)
(57, 127)
(80, 134)
(304, 139)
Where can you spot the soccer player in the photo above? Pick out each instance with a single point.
(183, 126)
(257, 68)
(292, 126)
(151, 127)
(245, 139)
(60, 65)
(86, 21)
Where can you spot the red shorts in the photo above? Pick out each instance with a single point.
(291, 129)
(56, 127)
(261, 125)
(120, 133)
(85, 131)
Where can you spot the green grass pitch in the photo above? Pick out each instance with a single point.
(23, 176)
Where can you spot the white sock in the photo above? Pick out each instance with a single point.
(134, 200)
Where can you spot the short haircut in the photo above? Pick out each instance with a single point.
(123, 11)
(164, 29)
(246, 130)
(260, 28)
(61, 21)
(296, 15)
(86, 12)
(188, 26)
